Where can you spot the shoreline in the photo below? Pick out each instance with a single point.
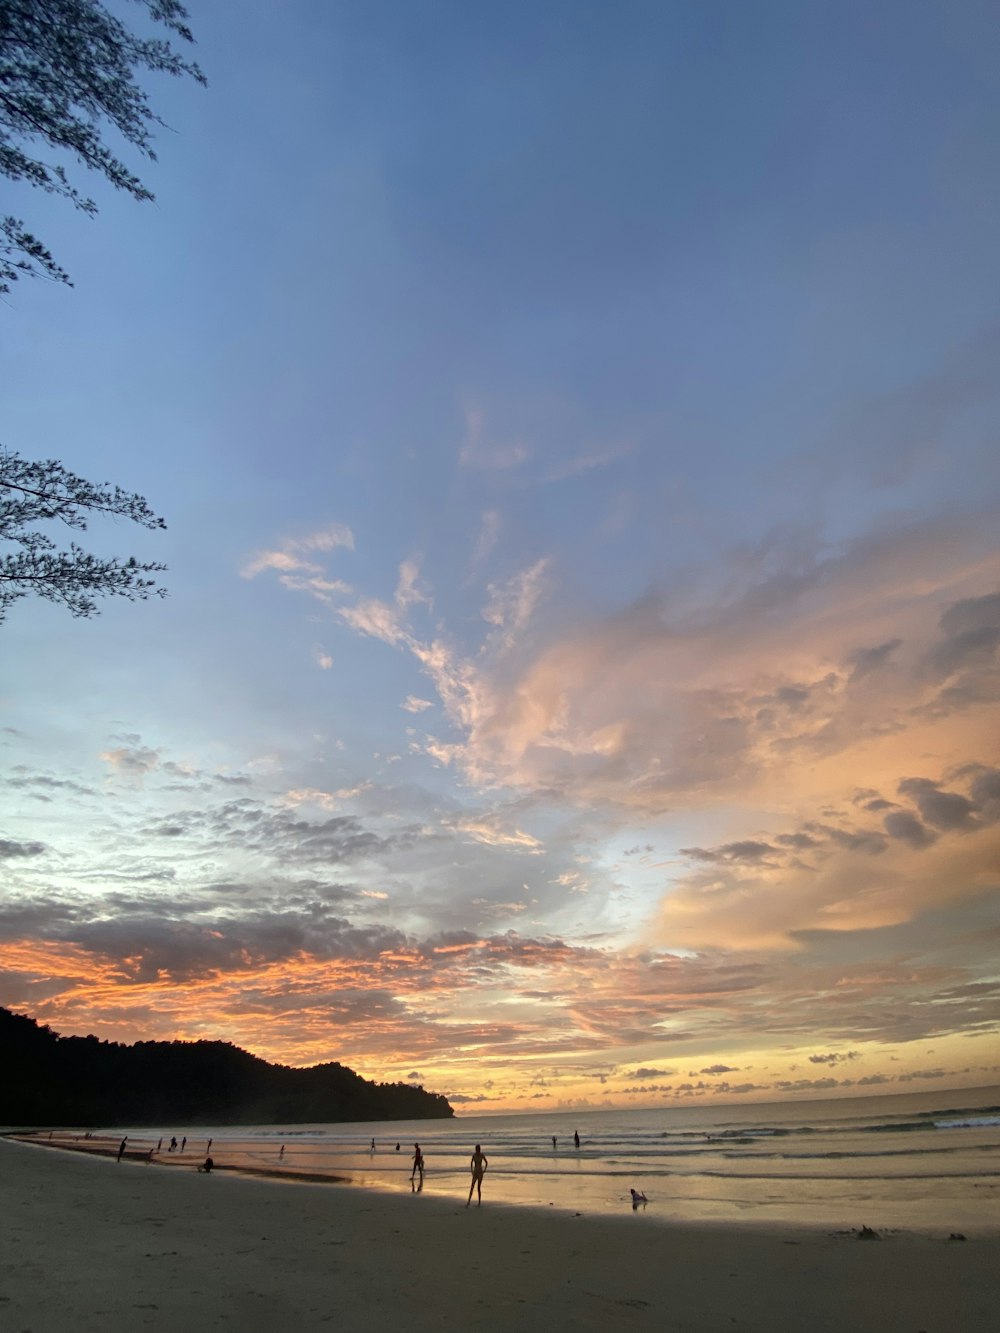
(116, 1249)
(105, 1146)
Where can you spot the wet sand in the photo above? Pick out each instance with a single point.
(89, 1244)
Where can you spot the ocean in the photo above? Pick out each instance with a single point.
(923, 1161)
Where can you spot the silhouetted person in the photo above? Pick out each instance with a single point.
(397, 1147)
(183, 1143)
(173, 1144)
(207, 1167)
(282, 1153)
(159, 1145)
(372, 1148)
(208, 1147)
(553, 1143)
(478, 1163)
(418, 1163)
(576, 1137)
(121, 1148)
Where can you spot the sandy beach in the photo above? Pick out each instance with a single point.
(89, 1244)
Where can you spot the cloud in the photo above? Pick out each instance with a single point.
(687, 695)
(867, 660)
(588, 461)
(907, 827)
(490, 830)
(296, 567)
(807, 1084)
(477, 451)
(833, 1058)
(410, 591)
(132, 761)
(942, 809)
(377, 619)
(512, 604)
(491, 524)
(970, 639)
(748, 852)
(412, 704)
(327, 539)
(766, 892)
(11, 849)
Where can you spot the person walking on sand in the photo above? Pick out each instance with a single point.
(372, 1148)
(418, 1163)
(478, 1163)
(121, 1148)
(184, 1143)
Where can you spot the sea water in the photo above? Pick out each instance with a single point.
(927, 1162)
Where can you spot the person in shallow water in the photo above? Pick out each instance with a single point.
(637, 1198)
(478, 1163)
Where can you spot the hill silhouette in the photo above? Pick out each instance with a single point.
(54, 1080)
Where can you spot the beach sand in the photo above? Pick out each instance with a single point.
(88, 1244)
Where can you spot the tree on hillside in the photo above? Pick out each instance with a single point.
(32, 493)
(67, 73)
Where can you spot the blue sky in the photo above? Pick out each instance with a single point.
(576, 426)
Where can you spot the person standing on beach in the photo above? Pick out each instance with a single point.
(576, 1137)
(478, 1162)
(121, 1148)
(183, 1143)
(418, 1163)
(372, 1148)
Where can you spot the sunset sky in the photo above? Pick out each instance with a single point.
(578, 430)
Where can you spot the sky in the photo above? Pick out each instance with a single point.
(577, 430)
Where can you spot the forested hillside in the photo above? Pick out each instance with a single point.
(54, 1080)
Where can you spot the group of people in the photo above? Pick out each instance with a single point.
(174, 1146)
(478, 1164)
(576, 1140)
